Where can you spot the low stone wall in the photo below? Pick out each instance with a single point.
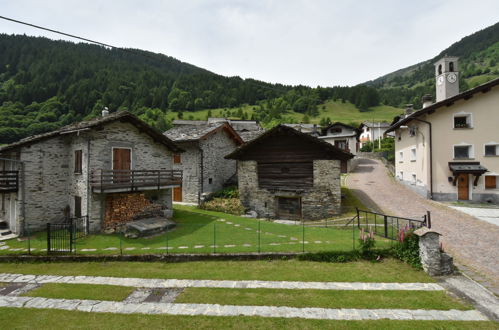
(434, 261)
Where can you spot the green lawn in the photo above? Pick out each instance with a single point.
(81, 291)
(201, 231)
(389, 270)
(322, 298)
(335, 110)
(17, 318)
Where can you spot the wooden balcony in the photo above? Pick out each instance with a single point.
(9, 181)
(109, 181)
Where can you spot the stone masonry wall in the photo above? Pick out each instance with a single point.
(146, 155)
(191, 167)
(322, 201)
(215, 166)
(46, 182)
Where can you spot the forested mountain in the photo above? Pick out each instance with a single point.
(45, 84)
(478, 63)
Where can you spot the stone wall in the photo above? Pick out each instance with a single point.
(322, 201)
(45, 182)
(215, 166)
(191, 167)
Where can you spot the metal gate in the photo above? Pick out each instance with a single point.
(61, 237)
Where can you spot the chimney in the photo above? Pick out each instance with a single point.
(105, 112)
(408, 110)
(427, 100)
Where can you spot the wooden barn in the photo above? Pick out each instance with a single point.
(287, 174)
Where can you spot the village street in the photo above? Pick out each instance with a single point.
(472, 242)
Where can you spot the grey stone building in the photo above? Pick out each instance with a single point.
(345, 137)
(246, 129)
(203, 165)
(288, 174)
(106, 169)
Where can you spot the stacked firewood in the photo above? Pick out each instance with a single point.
(122, 208)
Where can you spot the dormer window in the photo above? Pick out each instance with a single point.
(462, 121)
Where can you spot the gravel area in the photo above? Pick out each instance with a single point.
(472, 242)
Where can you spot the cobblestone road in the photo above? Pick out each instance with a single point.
(472, 242)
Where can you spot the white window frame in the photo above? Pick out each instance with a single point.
(469, 119)
(471, 152)
(491, 144)
(401, 156)
(497, 181)
(413, 154)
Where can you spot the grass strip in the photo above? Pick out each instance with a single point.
(389, 270)
(25, 318)
(322, 298)
(81, 291)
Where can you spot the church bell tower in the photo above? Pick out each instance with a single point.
(447, 78)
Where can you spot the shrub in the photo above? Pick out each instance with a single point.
(407, 247)
(226, 205)
(229, 192)
(367, 243)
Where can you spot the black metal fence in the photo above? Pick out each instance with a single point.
(61, 237)
(389, 226)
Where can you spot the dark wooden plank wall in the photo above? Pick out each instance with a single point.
(286, 175)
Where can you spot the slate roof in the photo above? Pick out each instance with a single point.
(195, 132)
(123, 116)
(246, 129)
(327, 147)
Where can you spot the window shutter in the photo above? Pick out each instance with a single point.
(78, 161)
(490, 182)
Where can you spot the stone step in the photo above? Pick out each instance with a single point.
(7, 237)
(5, 232)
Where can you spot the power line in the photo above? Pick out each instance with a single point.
(122, 49)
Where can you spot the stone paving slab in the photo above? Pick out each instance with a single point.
(174, 283)
(231, 310)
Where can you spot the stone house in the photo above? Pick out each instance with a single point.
(449, 150)
(204, 168)
(344, 137)
(288, 174)
(106, 170)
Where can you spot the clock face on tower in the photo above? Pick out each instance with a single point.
(452, 78)
(440, 80)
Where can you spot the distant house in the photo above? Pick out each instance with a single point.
(311, 129)
(344, 137)
(246, 129)
(106, 170)
(372, 131)
(449, 150)
(204, 168)
(287, 174)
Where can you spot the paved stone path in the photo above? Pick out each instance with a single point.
(174, 283)
(471, 242)
(482, 213)
(231, 310)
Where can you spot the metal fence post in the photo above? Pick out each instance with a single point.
(429, 219)
(214, 238)
(358, 217)
(258, 232)
(167, 241)
(48, 238)
(385, 222)
(353, 231)
(303, 236)
(121, 243)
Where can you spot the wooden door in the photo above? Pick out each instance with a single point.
(463, 187)
(344, 166)
(289, 208)
(177, 194)
(122, 161)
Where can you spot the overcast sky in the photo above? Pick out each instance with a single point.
(310, 42)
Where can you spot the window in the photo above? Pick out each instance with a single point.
(451, 66)
(490, 182)
(413, 179)
(78, 161)
(492, 150)
(462, 121)
(210, 181)
(177, 159)
(464, 152)
(401, 156)
(440, 69)
(413, 154)
(77, 209)
(335, 130)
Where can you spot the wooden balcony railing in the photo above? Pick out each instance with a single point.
(133, 180)
(9, 181)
